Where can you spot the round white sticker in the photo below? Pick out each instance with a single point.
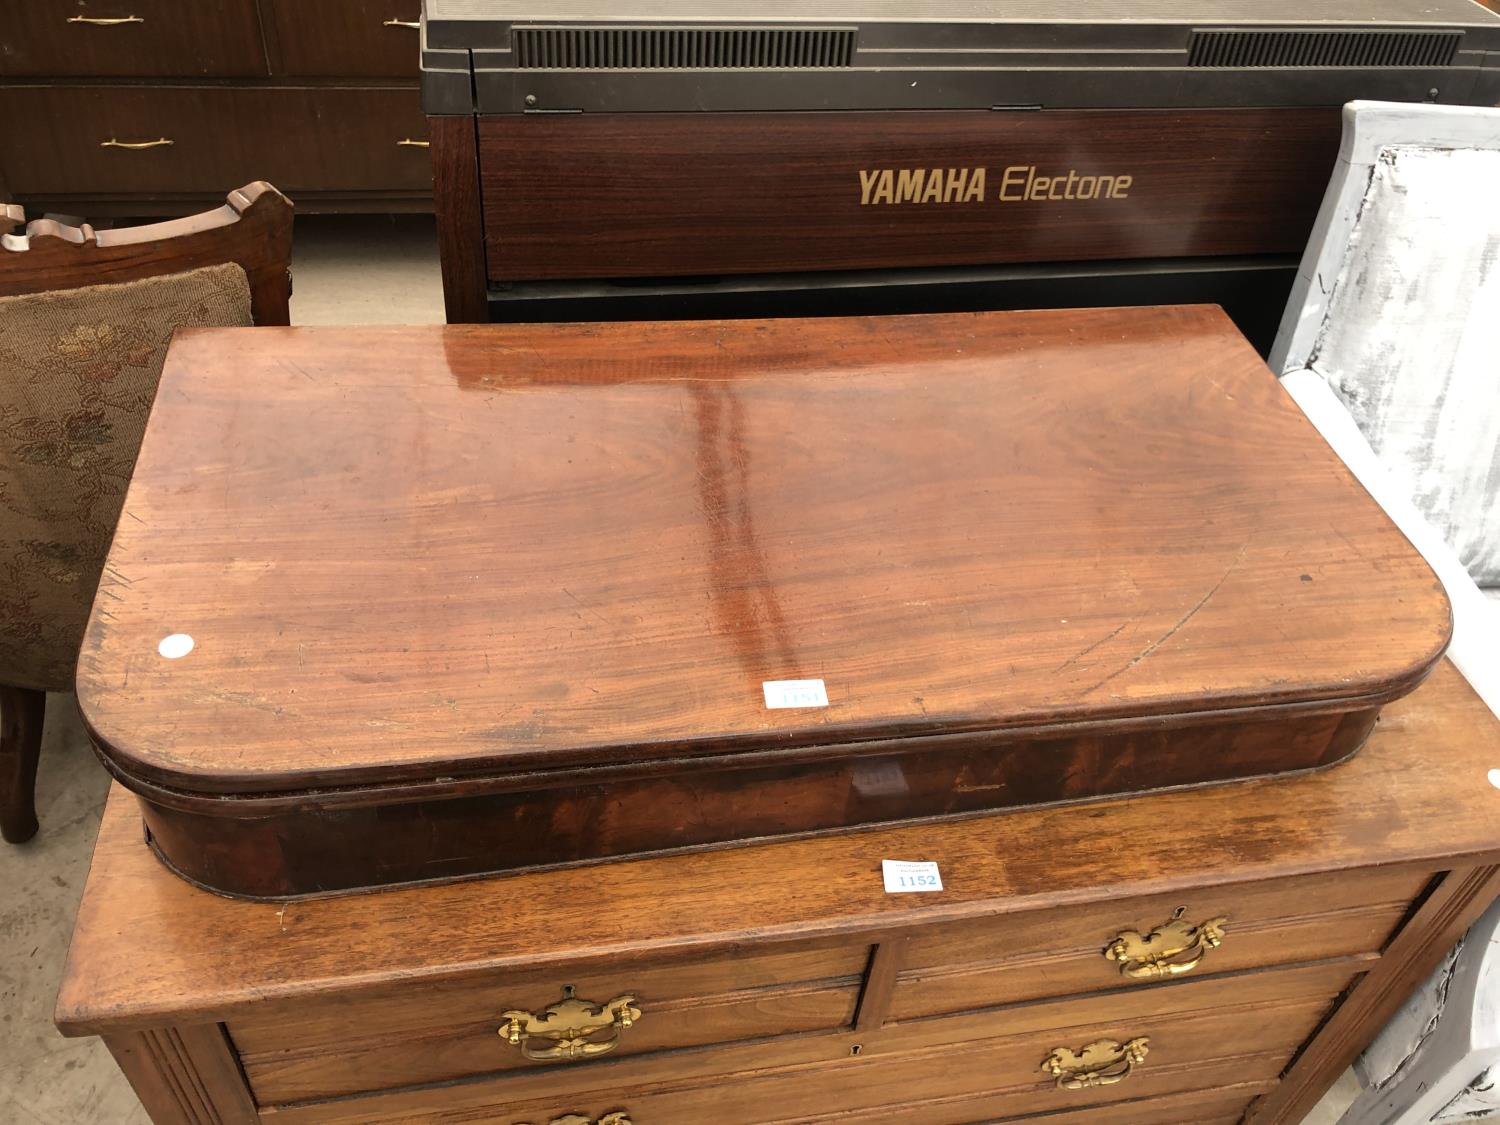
(176, 645)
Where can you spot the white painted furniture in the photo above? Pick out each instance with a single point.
(1391, 346)
(1397, 307)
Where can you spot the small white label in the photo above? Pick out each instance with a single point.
(902, 876)
(175, 646)
(1494, 776)
(794, 693)
(882, 777)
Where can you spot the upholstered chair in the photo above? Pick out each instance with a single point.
(85, 320)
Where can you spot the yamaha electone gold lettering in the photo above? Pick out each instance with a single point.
(678, 159)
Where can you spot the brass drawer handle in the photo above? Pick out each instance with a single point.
(100, 21)
(413, 24)
(618, 1118)
(135, 145)
(1172, 948)
(1102, 1063)
(407, 142)
(571, 1027)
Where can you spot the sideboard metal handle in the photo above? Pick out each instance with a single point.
(570, 1029)
(160, 142)
(101, 21)
(407, 142)
(413, 24)
(1102, 1063)
(1173, 948)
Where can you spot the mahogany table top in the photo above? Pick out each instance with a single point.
(415, 553)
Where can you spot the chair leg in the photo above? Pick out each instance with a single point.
(21, 713)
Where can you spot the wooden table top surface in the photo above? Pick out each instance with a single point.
(149, 948)
(405, 553)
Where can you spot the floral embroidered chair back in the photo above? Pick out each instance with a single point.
(79, 364)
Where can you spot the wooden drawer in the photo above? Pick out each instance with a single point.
(1196, 1107)
(300, 139)
(346, 38)
(448, 1032)
(1061, 952)
(1207, 1035)
(163, 38)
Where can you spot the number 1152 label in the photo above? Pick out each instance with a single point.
(906, 876)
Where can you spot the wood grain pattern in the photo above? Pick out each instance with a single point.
(1191, 1029)
(364, 1059)
(185, 1075)
(1060, 952)
(674, 515)
(171, 39)
(460, 219)
(301, 138)
(253, 229)
(641, 194)
(334, 1049)
(1458, 900)
(969, 523)
(1199, 1107)
(880, 983)
(149, 950)
(346, 38)
(312, 95)
(295, 844)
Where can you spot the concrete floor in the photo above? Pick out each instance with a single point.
(348, 270)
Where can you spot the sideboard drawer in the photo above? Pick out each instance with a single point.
(1065, 952)
(313, 139)
(365, 38)
(131, 38)
(1209, 1035)
(448, 1032)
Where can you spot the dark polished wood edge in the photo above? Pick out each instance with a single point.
(460, 220)
(1452, 907)
(1350, 736)
(22, 712)
(257, 794)
(1225, 843)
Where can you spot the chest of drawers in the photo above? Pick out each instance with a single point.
(781, 983)
(168, 102)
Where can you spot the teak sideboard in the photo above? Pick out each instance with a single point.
(781, 983)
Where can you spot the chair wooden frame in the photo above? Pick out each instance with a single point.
(252, 229)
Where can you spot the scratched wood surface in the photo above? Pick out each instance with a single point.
(415, 552)
(150, 950)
